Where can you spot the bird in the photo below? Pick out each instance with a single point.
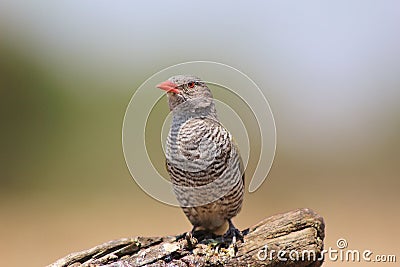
(202, 159)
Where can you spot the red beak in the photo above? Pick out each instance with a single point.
(169, 87)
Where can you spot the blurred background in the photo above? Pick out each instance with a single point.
(68, 69)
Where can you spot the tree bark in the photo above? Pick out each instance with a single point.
(294, 238)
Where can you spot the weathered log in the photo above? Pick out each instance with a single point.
(294, 238)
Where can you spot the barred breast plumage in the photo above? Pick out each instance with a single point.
(203, 160)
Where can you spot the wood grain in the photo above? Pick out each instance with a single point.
(294, 238)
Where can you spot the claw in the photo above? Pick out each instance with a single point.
(191, 241)
(233, 233)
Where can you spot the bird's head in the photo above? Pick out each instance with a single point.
(184, 89)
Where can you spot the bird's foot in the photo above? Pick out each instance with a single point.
(232, 235)
(188, 239)
(191, 241)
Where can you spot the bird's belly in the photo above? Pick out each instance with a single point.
(207, 217)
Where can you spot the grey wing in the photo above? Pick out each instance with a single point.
(241, 164)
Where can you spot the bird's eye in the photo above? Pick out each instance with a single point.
(191, 84)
